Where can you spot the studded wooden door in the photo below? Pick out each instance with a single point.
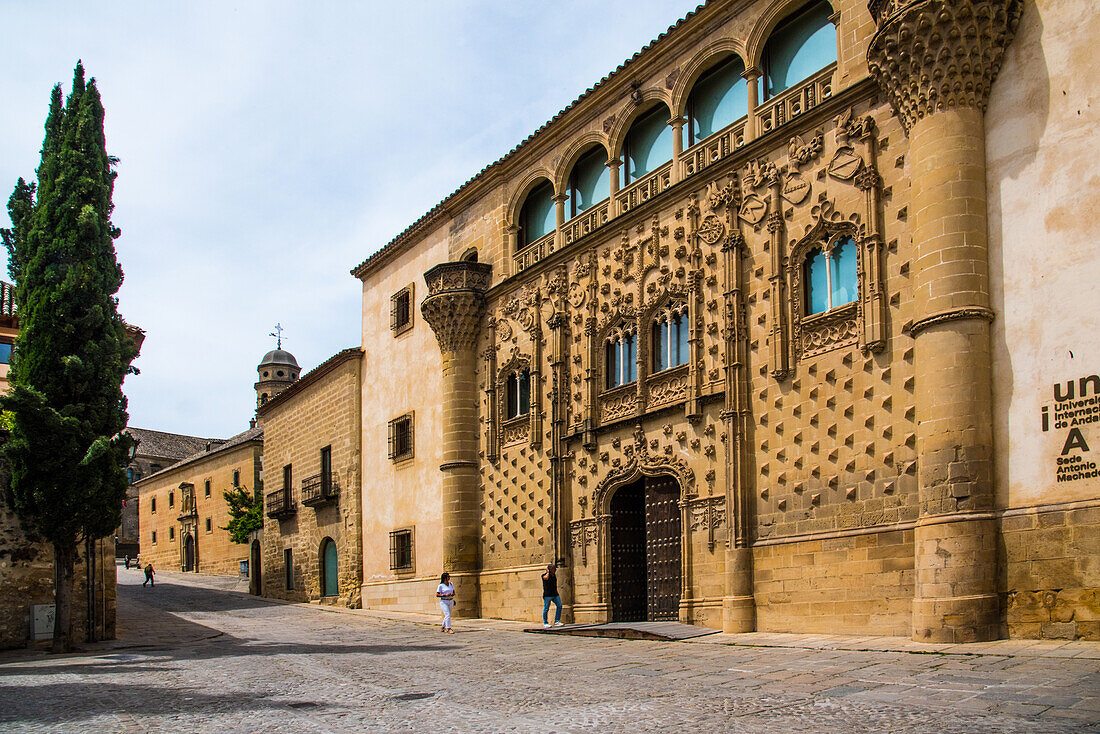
(662, 548)
(628, 554)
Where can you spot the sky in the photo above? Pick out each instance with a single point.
(267, 148)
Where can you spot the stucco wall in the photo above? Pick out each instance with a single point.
(1044, 195)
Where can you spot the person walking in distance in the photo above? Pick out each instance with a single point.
(446, 593)
(149, 575)
(550, 595)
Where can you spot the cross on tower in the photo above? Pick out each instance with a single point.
(278, 334)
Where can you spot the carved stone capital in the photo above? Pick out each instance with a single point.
(931, 55)
(453, 308)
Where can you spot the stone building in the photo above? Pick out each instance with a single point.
(9, 329)
(154, 451)
(777, 327)
(312, 542)
(182, 509)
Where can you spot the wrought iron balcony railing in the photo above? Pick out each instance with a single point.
(280, 503)
(319, 489)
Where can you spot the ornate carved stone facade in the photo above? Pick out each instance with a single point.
(832, 462)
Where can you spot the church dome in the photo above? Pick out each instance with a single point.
(279, 357)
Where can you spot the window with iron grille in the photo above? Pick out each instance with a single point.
(401, 310)
(401, 437)
(401, 550)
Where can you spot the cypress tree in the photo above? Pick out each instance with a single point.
(66, 451)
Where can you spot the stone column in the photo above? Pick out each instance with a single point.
(751, 76)
(936, 61)
(453, 308)
(677, 125)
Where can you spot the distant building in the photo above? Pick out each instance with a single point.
(156, 450)
(181, 506)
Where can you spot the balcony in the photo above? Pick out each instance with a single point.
(800, 98)
(644, 189)
(319, 489)
(586, 222)
(280, 504)
(713, 149)
(533, 252)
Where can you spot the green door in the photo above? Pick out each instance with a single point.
(330, 577)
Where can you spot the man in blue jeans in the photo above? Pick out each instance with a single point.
(550, 595)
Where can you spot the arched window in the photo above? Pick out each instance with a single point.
(719, 98)
(537, 218)
(622, 364)
(670, 337)
(801, 45)
(589, 182)
(831, 276)
(517, 394)
(648, 144)
(470, 256)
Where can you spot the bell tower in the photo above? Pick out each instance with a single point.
(277, 371)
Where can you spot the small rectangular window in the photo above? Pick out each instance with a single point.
(152, 505)
(401, 310)
(171, 533)
(401, 550)
(171, 499)
(401, 437)
(206, 487)
(237, 478)
(288, 567)
(154, 537)
(326, 469)
(209, 526)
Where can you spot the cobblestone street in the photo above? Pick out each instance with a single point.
(195, 657)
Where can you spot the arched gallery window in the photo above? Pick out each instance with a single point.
(517, 394)
(622, 364)
(830, 278)
(670, 337)
(589, 182)
(800, 46)
(648, 144)
(537, 218)
(719, 98)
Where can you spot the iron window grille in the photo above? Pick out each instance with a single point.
(401, 550)
(401, 310)
(401, 438)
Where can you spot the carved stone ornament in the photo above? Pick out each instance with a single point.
(931, 55)
(711, 229)
(753, 209)
(504, 329)
(718, 197)
(642, 464)
(849, 127)
(799, 152)
(795, 187)
(576, 295)
(845, 163)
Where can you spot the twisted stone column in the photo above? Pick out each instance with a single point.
(453, 308)
(936, 61)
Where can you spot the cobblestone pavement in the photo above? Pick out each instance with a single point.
(195, 657)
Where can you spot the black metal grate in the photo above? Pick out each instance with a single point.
(401, 550)
(400, 437)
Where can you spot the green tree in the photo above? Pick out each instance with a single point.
(66, 451)
(246, 512)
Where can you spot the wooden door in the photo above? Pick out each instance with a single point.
(662, 549)
(628, 554)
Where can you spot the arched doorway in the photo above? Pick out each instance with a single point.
(254, 569)
(330, 580)
(188, 552)
(646, 565)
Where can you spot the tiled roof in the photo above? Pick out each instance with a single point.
(252, 434)
(422, 224)
(172, 446)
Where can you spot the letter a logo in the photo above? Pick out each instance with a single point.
(1075, 440)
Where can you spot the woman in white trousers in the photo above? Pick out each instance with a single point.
(446, 593)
